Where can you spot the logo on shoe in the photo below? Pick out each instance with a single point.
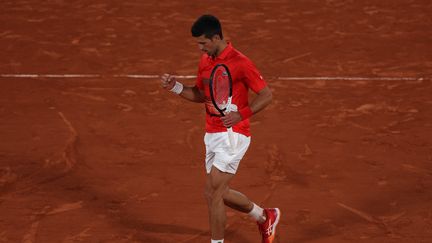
(269, 230)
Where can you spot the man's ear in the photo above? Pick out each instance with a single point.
(216, 38)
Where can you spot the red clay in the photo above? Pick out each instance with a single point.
(120, 160)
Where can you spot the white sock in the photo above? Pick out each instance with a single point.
(258, 214)
(217, 241)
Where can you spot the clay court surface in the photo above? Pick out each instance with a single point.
(118, 159)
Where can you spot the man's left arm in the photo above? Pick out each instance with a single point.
(263, 99)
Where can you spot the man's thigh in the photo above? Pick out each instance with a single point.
(218, 180)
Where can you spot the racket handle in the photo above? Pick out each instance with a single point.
(231, 139)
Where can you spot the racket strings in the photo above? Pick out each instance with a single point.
(221, 88)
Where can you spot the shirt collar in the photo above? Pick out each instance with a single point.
(225, 52)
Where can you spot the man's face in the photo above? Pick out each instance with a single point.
(209, 46)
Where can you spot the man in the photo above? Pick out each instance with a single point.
(221, 162)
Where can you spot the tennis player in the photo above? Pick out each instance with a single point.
(221, 161)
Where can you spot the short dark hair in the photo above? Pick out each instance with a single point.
(207, 25)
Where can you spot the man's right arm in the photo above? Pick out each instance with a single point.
(193, 94)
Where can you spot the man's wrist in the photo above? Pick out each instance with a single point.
(245, 112)
(178, 88)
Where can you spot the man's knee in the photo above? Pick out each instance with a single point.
(215, 192)
(217, 186)
(208, 193)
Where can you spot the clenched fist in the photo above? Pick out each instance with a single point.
(168, 81)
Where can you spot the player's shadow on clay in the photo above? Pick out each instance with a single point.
(134, 222)
(129, 220)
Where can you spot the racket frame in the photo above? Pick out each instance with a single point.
(221, 111)
(228, 105)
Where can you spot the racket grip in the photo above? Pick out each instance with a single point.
(231, 139)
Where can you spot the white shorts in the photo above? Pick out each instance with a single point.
(219, 153)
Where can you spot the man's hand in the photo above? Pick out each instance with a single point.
(230, 119)
(167, 81)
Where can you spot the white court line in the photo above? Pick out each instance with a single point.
(137, 76)
(153, 76)
(50, 75)
(356, 78)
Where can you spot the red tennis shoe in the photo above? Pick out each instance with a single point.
(268, 228)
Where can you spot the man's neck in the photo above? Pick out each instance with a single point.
(223, 44)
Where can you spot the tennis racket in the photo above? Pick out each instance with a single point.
(221, 94)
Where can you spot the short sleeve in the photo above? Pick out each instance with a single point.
(252, 77)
